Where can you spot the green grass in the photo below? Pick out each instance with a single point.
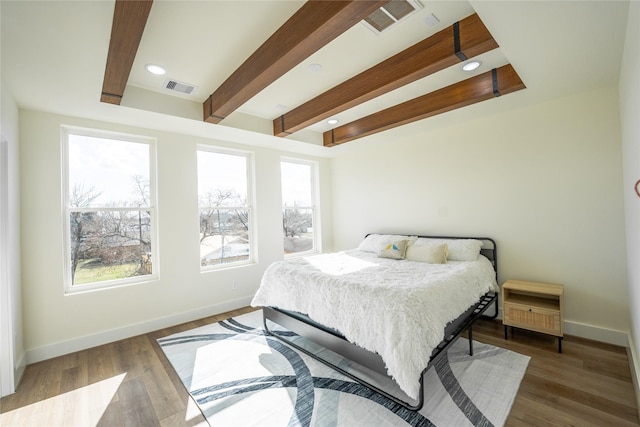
(89, 271)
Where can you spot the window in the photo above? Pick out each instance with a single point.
(110, 209)
(299, 206)
(224, 199)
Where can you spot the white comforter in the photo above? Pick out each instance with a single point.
(397, 309)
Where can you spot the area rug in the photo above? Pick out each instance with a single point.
(240, 376)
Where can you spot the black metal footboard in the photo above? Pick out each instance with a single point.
(332, 340)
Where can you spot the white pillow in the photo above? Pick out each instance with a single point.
(433, 253)
(459, 249)
(394, 250)
(376, 242)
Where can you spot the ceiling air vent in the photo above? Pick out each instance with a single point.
(181, 87)
(391, 14)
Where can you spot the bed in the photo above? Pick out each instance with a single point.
(394, 304)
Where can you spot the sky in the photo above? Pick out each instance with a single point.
(296, 184)
(227, 171)
(230, 170)
(108, 166)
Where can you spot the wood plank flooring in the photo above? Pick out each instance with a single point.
(588, 384)
(130, 383)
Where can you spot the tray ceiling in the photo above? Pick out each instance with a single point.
(54, 57)
(313, 27)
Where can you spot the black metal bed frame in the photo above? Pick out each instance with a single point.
(334, 341)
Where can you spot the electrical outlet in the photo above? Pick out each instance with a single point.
(234, 286)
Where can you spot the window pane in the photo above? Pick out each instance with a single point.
(107, 172)
(298, 229)
(297, 206)
(222, 179)
(224, 236)
(296, 184)
(110, 207)
(225, 211)
(110, 245)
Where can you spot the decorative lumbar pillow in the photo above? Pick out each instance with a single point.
(394, 250)
(433, 253)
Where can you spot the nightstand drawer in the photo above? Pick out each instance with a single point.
(533, 318)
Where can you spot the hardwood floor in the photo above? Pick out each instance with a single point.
(588, 384)
(130, 383)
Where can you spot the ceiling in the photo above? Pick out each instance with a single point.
(54, 54)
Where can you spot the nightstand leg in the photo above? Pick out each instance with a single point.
(506, 336)
(470, 341)
(559, 344)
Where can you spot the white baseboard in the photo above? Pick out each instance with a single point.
(596, 333)
(105, 337)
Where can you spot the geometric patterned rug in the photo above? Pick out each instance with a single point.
(240, 376)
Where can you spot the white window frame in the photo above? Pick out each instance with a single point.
(69, 287)
(315, 205)
(250, 207)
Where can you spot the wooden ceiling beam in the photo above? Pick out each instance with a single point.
(129, 20)
(499, 81)
(314, 25)
(464, 39)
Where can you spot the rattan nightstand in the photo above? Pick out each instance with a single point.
(534, 306)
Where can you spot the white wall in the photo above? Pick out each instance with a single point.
(629, 113)
(12, 349)
(544, 181)
(55, 323)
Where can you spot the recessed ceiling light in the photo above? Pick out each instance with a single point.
(333, 121)
(470, 66)
(315, 68)
(155, 69)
